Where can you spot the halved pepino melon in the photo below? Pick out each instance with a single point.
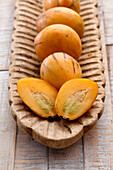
(75, 97)
(38, 95)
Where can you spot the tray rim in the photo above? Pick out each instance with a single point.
(41, 138)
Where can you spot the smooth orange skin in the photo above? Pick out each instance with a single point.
(57, 38)
(26, 86)
(71, 87)
(61, 15)
(73, 4)
(59, 68)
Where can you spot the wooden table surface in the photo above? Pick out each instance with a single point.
(18, 150)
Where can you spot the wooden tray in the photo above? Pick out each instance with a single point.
(24, 63)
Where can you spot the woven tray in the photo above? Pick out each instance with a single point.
(24, 63)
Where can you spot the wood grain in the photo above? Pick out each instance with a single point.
(6, 28)
(7, 126)
(68, 158)
(29, 153)
(57, 159)
(108, 19)
(110, 64)
(98, 150)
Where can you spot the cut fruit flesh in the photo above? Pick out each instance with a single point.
(38, 95)
(75, 97)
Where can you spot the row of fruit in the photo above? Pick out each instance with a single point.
(58, 46)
